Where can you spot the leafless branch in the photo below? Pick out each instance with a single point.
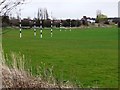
(7, 5)
(2, 2)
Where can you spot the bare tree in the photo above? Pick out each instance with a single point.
(7, 5)
(98, 12)
(46, 14)
(38, 14)
(42, 14)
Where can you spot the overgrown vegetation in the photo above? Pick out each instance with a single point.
(17, 75)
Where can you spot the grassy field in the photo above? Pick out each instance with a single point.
(88, 56)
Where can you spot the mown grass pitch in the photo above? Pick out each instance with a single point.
(88, 56)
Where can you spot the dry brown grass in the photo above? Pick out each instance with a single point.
(17, 76)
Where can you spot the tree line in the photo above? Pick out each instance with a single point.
(27, 22)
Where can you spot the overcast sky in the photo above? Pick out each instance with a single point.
(71, 8)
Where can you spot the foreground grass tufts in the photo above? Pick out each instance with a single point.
(17, 75)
